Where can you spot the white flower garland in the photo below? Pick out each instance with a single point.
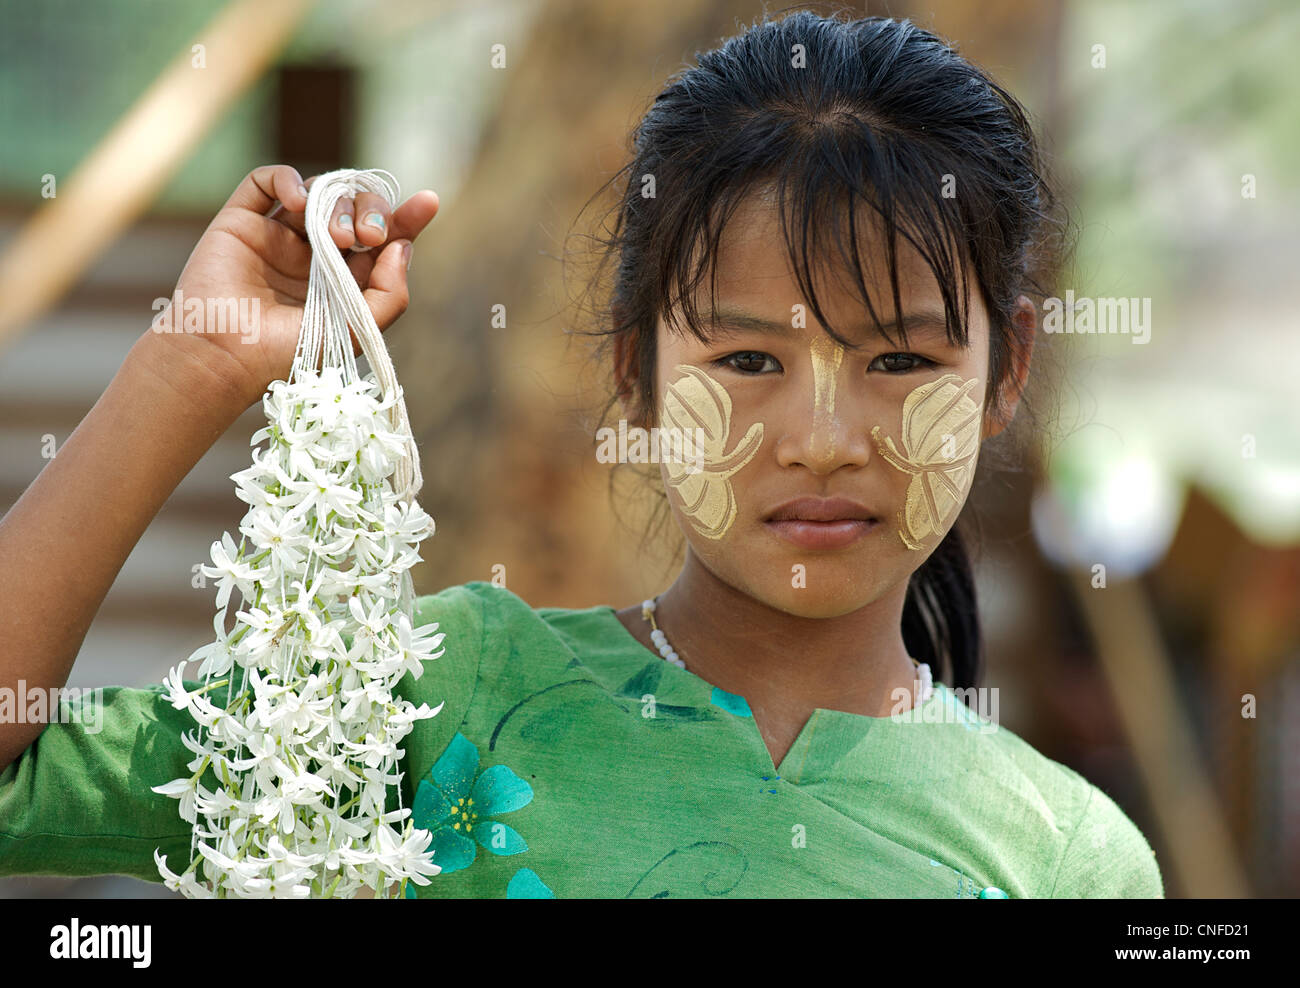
(306, 748)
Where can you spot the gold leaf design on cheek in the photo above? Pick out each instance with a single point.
(931, 414)
(694, 401)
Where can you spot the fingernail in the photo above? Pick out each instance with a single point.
(406, 256)
(302, 191)
(345, 220)
(375, 220)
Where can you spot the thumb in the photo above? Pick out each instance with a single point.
(387, 295)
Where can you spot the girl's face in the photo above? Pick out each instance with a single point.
(782, 412)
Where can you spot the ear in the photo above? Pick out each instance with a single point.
(627, 369)
(1025, 320)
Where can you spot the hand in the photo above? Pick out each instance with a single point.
(253, 253)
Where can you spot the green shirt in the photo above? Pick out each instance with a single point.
(570, 761)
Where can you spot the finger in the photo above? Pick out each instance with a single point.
(387, 295)
(406, 222)
(413, 215)
(294, 219)
(371, 213)
(340, 226)
(266, 185)
(342, 223)
(361, 263)
(409, 219)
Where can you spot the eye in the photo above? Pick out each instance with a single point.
(747, 361)
(892, 366)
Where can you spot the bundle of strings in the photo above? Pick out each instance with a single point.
(335, 304)
(295, 790)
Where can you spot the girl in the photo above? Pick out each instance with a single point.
(868, 210)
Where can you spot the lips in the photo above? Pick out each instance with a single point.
(822, 523)
(822, 509)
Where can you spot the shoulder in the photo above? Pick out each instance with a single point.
(1105, 855)
(474, 616)
(500, 617)
(1084, 844)
(518, 647)
(501, 653)
(462, 601)
(477, 600)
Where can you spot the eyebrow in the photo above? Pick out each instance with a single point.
(925, 323)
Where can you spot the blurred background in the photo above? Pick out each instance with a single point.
(1139, 568)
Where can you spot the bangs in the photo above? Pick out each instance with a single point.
(829, 217)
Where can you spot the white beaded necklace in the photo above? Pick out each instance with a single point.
(670, 654)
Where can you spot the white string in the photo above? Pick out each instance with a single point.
(335, 305)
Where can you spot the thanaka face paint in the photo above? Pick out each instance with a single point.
(940, 438)
(695, 401)
(827, 355)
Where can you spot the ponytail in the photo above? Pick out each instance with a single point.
(940, 623)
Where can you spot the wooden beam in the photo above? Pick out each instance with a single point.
(126, 171)
(1201, 853)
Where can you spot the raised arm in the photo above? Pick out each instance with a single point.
(65, 540)
(63, 543)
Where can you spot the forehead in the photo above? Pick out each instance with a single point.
(754, 274)
(753, 254)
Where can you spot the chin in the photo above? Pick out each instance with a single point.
(829, 591)
(803, 604)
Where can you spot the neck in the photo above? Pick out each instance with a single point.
(783, 663)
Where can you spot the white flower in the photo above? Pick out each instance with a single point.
(218, 654)
(276, 806)
(362, 699)
(357, 579)
(285, 535)
(372, 751)
(351, 403)
(186, 789)
(379, 456)
(237, 874)
(320, 492)
(307, 750)
(285, 861)
(185, 884)
(408, 522)
(219, 802)
(322, 640)
(198, 705)
(267, 628)
(418, 645)
(372, 625)
(402, 718)
(281, 708)
(231, 569)
(303, 605)
(294, 429)
(411, 858)
(337, 551)
(261, 749)
(276, 888)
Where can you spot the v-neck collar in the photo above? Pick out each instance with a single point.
(839, 759)
(825, 732)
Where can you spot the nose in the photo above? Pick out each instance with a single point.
(824, 434)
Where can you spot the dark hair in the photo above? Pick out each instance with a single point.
(878, 109)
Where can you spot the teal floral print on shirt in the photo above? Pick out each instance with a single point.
(459, 805)
(733, 703)
(526, 885)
